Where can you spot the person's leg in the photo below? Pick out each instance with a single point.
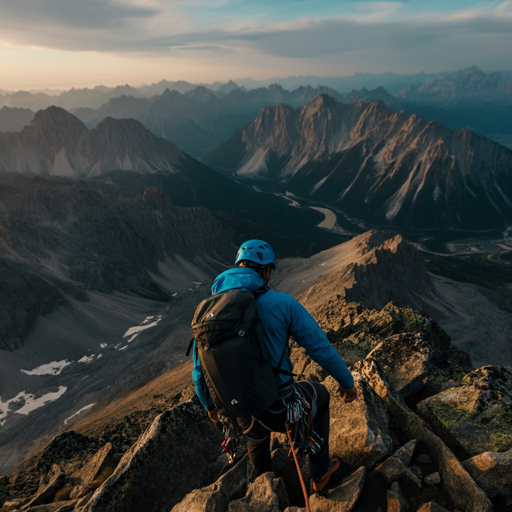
(258, 445)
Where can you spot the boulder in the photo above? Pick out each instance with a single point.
(54, 481)
(493, 473)
(395, 404)
(476, 416)
(405, 452)
(393, 469)
(303, 366)
(463, 491)
(236, 480)
(432, 506)
(433, 479)
(284, 467)
(102, 459)
(359, 431)
(406, 360)
(342, 498)
(169, 460)
(53, 507)
(260, 497)
(396, 499)
(213, 498)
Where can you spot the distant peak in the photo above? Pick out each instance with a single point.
(57, 117)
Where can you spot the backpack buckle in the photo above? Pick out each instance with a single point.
(241, 333)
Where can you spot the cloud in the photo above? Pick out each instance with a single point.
(154, 27)
(97, 14)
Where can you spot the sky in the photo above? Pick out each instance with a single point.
(83, 43)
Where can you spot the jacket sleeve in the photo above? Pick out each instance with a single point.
(200, 383)
(309, 335)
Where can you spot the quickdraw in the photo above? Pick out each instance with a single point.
(300, 426)
(231, 441)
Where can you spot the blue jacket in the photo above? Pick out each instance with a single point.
(280, 316)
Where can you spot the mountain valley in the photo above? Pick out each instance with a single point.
(390, 228)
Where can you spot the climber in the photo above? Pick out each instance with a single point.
(281, 317)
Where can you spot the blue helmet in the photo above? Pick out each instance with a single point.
(258, 252)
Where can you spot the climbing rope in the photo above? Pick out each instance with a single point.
(303, 485)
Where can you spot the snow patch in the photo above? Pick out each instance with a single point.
(133, 332)
(31, 403)
(104, 345)
(319, 184)
(53, 368)
(77, 413)
(87, 359)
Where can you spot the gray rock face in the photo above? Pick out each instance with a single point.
(171, 457)
(359, 430)
(261, 497)
(101, 460)
(474, 417)
(396, 499)
(493, 473)
(342, 498)
(213, 498)
(406, 360)
(52, 483)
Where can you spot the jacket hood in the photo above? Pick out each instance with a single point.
(240, 278)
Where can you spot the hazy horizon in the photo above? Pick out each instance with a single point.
(60, 44)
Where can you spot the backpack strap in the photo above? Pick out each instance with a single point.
(190, 345)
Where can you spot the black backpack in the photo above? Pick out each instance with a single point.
(234, 359)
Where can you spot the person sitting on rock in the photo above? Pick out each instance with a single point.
(282, 316)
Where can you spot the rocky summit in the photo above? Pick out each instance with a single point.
(375, 164)
(428, 431)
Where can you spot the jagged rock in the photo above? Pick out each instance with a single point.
(424, 458)
(405, 452)
(260, 497)
(432, 506)
(53, 507)
(395, 404)
(303, 366)
(102, 459)
(342, 498)
(55, 480)
(359, 430)
(433, 479)
(476, 416)
(406, 360)
(393, 469)
(81, 490)
(213, 498)
(65, 446)
(462, 489)
(282, 492)
(83, 501)
(492, 472)
(396, 499)
(295, 509)
(168, 461)
(284, 467)
(417, 471)
(236, 480)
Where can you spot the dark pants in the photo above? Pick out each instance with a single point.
(259, 450)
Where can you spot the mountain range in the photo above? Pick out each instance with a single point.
(375, 164)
